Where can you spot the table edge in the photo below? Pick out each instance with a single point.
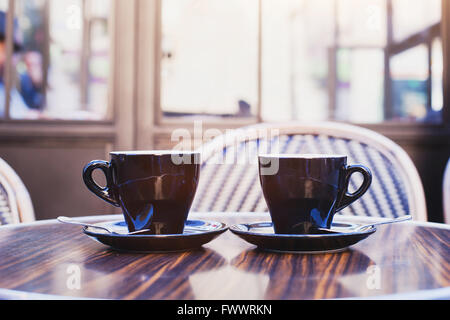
(218, 215)
(10, 294)
(431, 294)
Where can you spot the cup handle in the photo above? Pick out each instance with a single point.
(349, 198)
(101, 192)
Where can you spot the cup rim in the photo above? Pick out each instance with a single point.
(154, 152)
(306, 156)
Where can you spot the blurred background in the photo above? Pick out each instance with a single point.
(79, 78)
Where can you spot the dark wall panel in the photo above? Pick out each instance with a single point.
(431, 160)
(52, 175)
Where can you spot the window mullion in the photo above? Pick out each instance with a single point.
(9, 41)
(85, 54)
(388, 105)
(445, 31)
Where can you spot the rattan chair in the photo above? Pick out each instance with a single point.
(229, 180)
(446, 193)
(15, 201)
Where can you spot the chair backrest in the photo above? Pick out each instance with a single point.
(15, 201)
(446, 193)
(229, 180)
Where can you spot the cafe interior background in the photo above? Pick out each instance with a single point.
(103, 75)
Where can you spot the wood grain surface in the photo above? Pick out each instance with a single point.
(407, 259)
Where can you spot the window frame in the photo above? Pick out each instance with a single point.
(109, 118)
(384, 126)
(123, 127)
(217, 121)
(136, 119)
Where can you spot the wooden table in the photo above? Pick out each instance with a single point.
(48, 259)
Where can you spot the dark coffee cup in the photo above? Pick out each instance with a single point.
(305, 191)
(154, 189)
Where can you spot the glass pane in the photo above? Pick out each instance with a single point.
(4, 5)
(409, 73)
(62, 69)
(210, 57)
(325, 60)
(361, 22)
(98, 64)
(360, 85)
(413, 16)
(297, 36)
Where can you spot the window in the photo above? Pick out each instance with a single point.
(362, 61)
(59, 61)
(210, 57)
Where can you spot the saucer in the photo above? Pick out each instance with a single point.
(338, 238)
(196, 233)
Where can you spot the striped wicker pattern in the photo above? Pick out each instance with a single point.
(234, 186)
(15, 201)
(6, 214)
